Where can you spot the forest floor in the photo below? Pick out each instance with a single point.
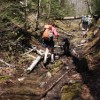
(68, 78)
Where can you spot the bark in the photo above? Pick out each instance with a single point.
(34, 63)
(38, 13)
(25, 14)
(49, 9)
(89, 7)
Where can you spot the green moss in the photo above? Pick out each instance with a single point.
(90, 35)
(56, 66)
(70, 91)
(4, 77)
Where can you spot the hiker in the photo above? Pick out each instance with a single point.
(86, 22)
(48, 40)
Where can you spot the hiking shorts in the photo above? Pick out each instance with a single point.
(48, 43)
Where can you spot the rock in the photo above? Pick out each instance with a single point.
(42, 84)
(76, 76)
(67, 67)
(56, 57)
(48, 75)
(21, 79)
(83, 41)
(71, 81)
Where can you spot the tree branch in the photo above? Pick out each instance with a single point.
(6, 63)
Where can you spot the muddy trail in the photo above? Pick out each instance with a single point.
(68, 78)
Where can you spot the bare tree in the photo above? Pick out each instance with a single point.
(25, 14)
(38, 14)
(49, 8)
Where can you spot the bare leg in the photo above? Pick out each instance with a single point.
(52, 55)
(45, 55)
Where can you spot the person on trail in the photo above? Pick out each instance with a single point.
(48, 40)
(86, 23)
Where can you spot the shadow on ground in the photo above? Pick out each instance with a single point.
(90, 78)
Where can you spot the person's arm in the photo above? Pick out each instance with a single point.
(55, 33)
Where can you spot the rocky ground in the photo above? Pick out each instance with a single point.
(68, 78)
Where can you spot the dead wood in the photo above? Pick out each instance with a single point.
(96, 30)
(90, 47)
(34, 63)
(6, 63)
(29, 51)
(96, 17)
(63, 31)
(52, 86)
(69, 18)
(89, 7)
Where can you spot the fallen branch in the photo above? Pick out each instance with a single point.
(35, 62)
(6, 63)
(28, 55)
(96, 30)
(42, 95)
(40, 52)
(33, 49)
(51, 87)
(81, 45)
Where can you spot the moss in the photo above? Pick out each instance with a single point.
(56, 66)
(4, 77)
(70, 91)
(90, 35)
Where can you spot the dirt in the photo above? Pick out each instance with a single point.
(79, 83)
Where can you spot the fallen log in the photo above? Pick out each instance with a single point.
(72, 18)
(69, 18)
(34, 63)
(38, 58)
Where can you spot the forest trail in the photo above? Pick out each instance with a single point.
(74, 85)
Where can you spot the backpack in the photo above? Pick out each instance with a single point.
(85, 19)
(47, 32)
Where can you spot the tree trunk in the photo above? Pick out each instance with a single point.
(34, 63)
(49, 8)
(38, 14)
(89, 7)
(25, 14)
